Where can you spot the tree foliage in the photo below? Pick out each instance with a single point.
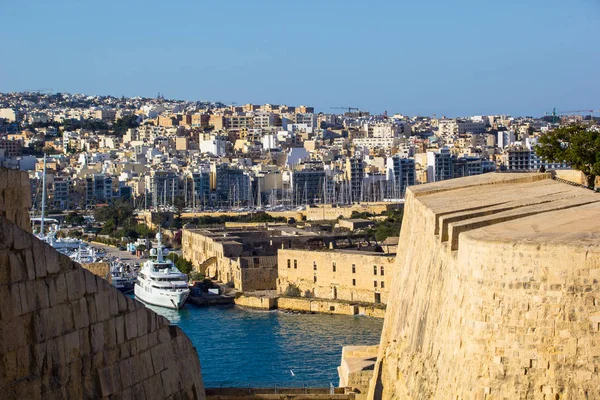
(116, 215)
(575, 145)
(181, 263)
(122, 124)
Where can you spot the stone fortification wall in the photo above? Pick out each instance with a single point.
(496, 293)
(15, 197)
(101, 269)
(67, 333)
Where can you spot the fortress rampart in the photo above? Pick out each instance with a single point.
(495, 294)
(68, 334)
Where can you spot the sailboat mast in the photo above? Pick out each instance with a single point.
(43, 197)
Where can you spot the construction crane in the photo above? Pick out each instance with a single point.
(345, 108)
(555, 113)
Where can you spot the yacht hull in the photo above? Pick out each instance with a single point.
(167, 299)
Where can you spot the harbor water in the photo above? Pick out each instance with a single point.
(240, 347)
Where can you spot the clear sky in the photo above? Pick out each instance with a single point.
(455, 58)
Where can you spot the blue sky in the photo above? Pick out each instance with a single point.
(452, 58)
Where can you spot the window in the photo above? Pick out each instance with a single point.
(374, 269)
(382, 271)
(353, 282)
(353, 268)
(289, 263)
(382, 284)
(315, 265)
(374, 283)
(333, 267)
(295, 264)
(315, 279)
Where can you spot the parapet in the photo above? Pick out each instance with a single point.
(496, 292)
(66, 333)
(15, 197)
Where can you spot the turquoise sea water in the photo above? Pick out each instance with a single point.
(240, 347)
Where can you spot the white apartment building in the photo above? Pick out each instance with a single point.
(505, 138)
(376, 143)
(213, 144)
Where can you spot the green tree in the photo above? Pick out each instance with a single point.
(74, 218)
(122, 124)
(116, 215)
(576, 145)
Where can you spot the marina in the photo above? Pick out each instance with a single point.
(239, 347)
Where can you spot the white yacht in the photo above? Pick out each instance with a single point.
(159, 282)
(85, 254)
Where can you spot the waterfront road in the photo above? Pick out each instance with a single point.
(124, 256)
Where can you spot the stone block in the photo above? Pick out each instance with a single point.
(15, 299)
(24, 297)
(18, 272)
(122, 303)
(72, 346)
(3, 179)
(6, 309)
(109, 380)
(154, 387)
(119, 329)
(147, 368)
(113, 302)
(80, 313)
(29, 288)
(21, 239)
(85, 347)
(6, 233)
(158, 361)
(136, 365)
(29, 264)
(75, 387)
(90, 282)
(152, 339)
(91, 306)
(127, 373)
(124, 351)
(110, 334)
(111, 356)
(38, 251)
(65, 263)
(75, 284)
(97, 337)
(66, 318)
(139, 391)
(142, 321)
(163, 335)
(131, 325)
(142, 343)
(52, 260)
(102, 306)
(4, 268)
(60, 284)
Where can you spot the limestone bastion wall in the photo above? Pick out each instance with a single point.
(496, 293)
(67, 333)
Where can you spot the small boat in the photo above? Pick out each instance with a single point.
(121, 279)
(160, 282)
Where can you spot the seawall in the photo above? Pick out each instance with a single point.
(309, 305)
(496, 293)
(67, 333)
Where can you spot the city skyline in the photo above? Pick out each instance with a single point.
(456, 60)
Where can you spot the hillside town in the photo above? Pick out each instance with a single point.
(213, 156)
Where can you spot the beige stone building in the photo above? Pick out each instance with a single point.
(245, 258)
(350, 275)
